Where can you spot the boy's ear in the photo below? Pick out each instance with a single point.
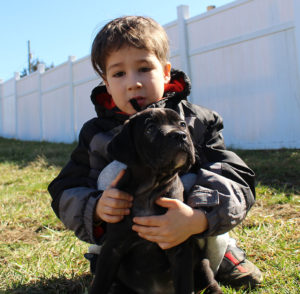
(167, 72)
(122, 147)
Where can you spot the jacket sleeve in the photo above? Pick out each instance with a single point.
(74, 191)
(224, 187)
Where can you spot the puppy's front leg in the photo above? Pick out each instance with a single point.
(108, 263)
(118, 241)
(205, 278)
(182, 267)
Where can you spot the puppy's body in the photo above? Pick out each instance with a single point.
(155, 145)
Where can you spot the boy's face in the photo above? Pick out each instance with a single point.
(135, 73)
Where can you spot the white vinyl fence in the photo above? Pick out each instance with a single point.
(243, 59)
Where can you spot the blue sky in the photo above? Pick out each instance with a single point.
(59, 28)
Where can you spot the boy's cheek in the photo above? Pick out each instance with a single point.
(107, 87)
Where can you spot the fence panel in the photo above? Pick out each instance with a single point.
(243, 60)
(84, 79)
(57, 115)
(8, 109)
(28, 118)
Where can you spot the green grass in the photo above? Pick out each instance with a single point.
(38, 255)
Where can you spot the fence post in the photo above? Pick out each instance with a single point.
(182, 15)
(1, 107)
(71, 95)
(297, 36)
(17, 78)
(41, 70)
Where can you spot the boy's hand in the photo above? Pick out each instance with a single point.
(114, 203)
(168, 230)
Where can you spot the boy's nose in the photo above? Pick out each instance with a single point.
(134, 85)
(133, 82)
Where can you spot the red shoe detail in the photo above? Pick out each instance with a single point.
(241, 269)
(229, 256)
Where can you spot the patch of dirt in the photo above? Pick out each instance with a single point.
(10, 233)
(284, 211)
(13, 235)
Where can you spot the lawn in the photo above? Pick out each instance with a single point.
(38, 255)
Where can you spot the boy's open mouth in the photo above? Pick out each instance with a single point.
(137, 103)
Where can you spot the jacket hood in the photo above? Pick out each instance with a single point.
(176, 90)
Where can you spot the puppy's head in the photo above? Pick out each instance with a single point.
(156, 138)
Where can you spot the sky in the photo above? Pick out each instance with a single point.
(61, 28)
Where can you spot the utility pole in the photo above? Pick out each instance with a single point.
(29, 58)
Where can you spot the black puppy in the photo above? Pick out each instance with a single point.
(155, 145)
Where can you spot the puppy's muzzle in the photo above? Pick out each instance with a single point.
(179, 136)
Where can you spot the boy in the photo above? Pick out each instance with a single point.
(131, 56)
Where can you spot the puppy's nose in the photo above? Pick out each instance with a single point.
(178, 135)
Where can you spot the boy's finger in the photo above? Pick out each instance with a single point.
(149, 221)
(118, 194)
(118, 203)
(147, 231)
(117, 179)
(113, 218)
(115, 212)
(152, 238)
(167, 202)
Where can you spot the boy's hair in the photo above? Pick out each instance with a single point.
(134, 31)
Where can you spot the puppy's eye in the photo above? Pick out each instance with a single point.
(182, 124)
(149, 129)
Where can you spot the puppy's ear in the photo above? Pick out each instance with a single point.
(122, 147)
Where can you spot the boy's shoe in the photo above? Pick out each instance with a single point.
(236, 271)
(92, 258)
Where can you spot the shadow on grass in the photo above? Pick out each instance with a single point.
(278, 169)
(61, 285)
(23, 153)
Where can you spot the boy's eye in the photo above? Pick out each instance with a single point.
(145, 69)
(119, 74)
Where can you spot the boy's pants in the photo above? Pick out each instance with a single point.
(214, 247)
